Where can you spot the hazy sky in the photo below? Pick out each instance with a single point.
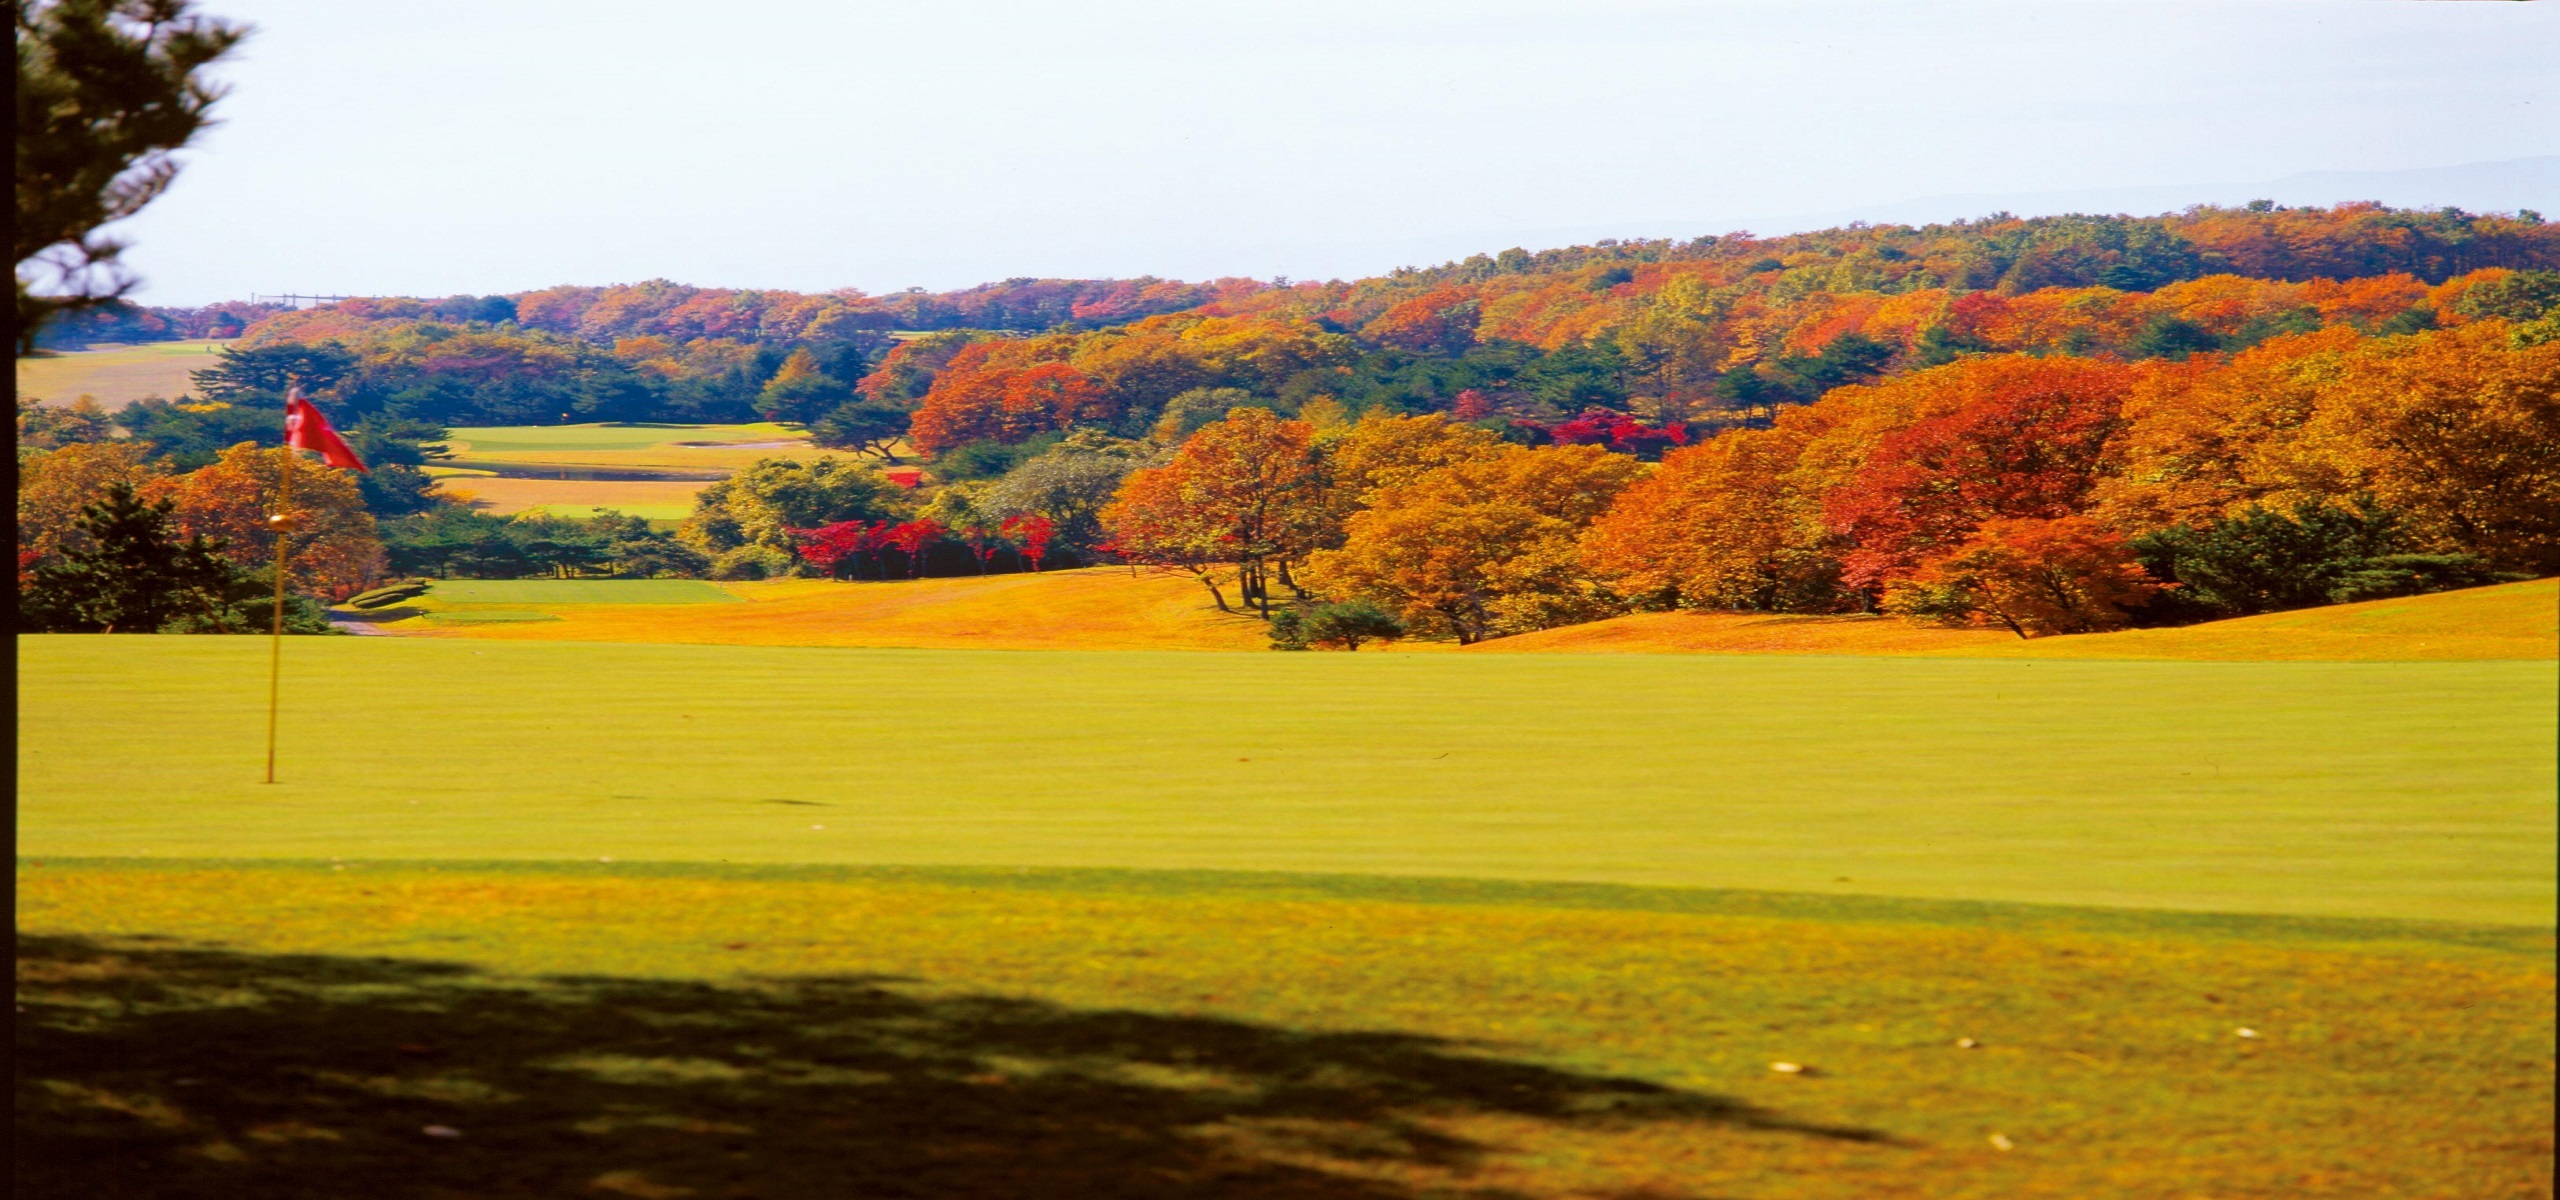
(471, 146)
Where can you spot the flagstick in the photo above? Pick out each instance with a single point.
(283, 522)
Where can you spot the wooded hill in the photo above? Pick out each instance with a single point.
(1666, 332)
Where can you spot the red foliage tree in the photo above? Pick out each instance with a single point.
(2029, 445)
(1031, 533)
(835, 548)
(1616, 430)
(911, 537)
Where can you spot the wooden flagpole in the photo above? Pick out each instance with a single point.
(282, 522)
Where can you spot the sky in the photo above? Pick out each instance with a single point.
(498, 146)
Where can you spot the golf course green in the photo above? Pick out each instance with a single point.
(651, 920)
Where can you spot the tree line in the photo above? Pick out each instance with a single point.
(2038, 494)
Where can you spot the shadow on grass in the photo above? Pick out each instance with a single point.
(148, 1070)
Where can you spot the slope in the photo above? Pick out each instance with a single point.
(2508, 621)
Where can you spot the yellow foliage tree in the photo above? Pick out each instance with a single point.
(1385, 452)
(2457, 428)
(1482, 547)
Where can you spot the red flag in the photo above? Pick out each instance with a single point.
(306, 429)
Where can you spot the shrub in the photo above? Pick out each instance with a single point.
(1345, 624)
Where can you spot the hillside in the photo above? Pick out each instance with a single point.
(2510, 621)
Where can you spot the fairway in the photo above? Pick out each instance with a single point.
(117, 376)
(650, 499)
(642, 470)
(2412, 790)
(199, 1029)
(579, 591)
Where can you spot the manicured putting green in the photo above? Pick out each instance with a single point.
(2419, 790)
(579, 591)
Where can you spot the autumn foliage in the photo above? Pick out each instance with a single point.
(1244, 494)
(2032, 575)
(1979, 421)
(2004, 487)
(1483, 546)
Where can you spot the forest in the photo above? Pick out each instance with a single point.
(2049, 425)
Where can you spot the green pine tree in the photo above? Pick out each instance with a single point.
(134, 576)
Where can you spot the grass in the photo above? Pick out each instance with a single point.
(626, 920)
(2408, 790)
(119, 375)
(1747, 633)
(687, 448)
(1110, 609)
(291, 1030)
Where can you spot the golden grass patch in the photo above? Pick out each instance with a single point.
(118, 376)
(2508, 621)
(1092, 609)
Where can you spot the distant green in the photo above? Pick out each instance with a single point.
(580, 591)
(2413, 790)
(491, 439)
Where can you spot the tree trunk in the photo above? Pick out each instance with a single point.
(1210, 582)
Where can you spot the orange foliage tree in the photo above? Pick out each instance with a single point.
(2033, 575)
(336, 554)
(2458, 428)
(1005, 391)
(1721, 525)
(1382, 452)
(1243, 494)
(1439, 320)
